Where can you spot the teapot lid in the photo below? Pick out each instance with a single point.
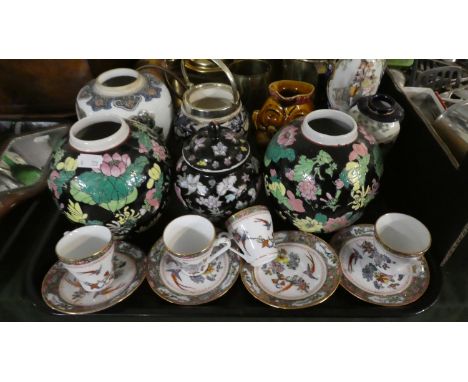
(215, 149)
(381, 108)
(202, 66)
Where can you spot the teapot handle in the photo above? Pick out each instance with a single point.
(170, 72)
(226, 71)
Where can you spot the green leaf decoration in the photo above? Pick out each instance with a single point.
(378, 159)
(344, 178)
(307, 167)
(279, 192)
(115, 205)
(159, 186)
(63, 179)
(110, 192)
(363, 168)
(303, 169)
(323, 158)
(331, 169)
(58, 155)
(79, 195)
(143, 139)
(321, 218)
(94, 222)
(134, 175)
(275, 152)
(101, 188)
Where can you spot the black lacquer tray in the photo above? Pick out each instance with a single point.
(28, 236)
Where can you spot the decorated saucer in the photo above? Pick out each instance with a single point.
(170, 283)
(305, 273)
(375, 277)
(61, 291)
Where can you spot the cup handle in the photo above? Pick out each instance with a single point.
(226, 244)
(229, 237)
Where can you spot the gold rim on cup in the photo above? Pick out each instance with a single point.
(194, 254)
(403, 255)
(88, 259)
(246, 211)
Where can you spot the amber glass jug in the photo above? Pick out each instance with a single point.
(288, 100)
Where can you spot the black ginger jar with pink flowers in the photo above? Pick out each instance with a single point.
(216, 174)
(321, 171)
(111, 172)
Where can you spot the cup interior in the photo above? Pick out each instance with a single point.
(83, 242)
(188, 234)
(403, 233)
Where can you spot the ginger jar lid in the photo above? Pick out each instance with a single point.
(381, 108)
(215, 149)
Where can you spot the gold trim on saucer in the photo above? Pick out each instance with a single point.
(157, 251)
(363, 295)
(265, 297)
(140, 265)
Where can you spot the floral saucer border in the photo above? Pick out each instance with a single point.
(409, 295)
(55, 274)
(159, 287)
(327, 289)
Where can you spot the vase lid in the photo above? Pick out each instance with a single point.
(381, 108)
(215, 149)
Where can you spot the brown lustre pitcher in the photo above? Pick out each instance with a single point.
(288, 100)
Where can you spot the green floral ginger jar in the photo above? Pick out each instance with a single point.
(322, 170)
(110, 173)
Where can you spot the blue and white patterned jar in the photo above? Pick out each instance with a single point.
(129, 94)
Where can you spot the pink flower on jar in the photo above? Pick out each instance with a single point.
(150, 198)
(159, 150)
(334, 224)
(114, 165)
(287, 136)
(272, 172)
(370, 138)
(53, 175)
(142, 149)
(359, 150)
(339, 184)
(308, 189)
(290, 174)
(296, 204)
